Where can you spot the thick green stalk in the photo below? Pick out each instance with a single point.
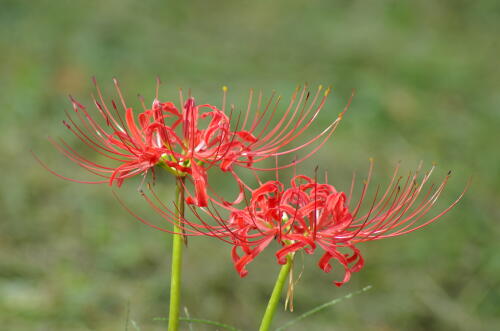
(276, 295)
(177, 242)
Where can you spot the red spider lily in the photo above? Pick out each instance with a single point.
(164, 136)
(309, 214)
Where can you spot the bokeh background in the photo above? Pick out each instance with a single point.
(427, 76)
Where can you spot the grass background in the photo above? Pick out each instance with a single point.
(427, 80)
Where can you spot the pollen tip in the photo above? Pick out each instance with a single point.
(327, 91)
(224, 88)
(371, 159)
(320, 87)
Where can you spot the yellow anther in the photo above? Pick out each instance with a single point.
(224, 88)
(327, 91)
(320, 87)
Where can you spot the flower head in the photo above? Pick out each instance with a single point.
(308, 215)
(190, 139)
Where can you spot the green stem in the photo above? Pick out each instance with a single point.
(177, 242)
(276, 295)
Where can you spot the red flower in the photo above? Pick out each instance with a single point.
(309, 214)
(190, 141)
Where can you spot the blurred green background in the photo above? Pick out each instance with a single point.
(427, 76)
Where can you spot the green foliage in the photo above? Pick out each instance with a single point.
(426, 74)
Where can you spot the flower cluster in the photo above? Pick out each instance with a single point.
(309, 215)
(189, 139)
